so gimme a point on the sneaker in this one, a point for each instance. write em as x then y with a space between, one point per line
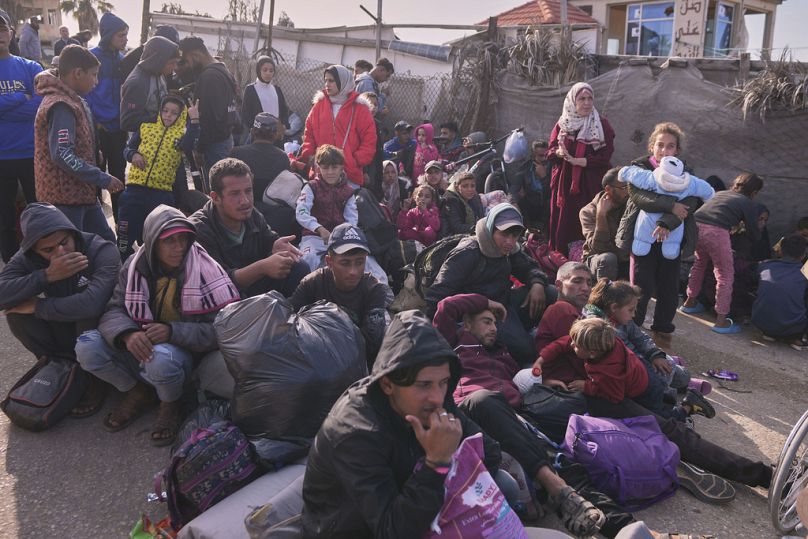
698 404
705 486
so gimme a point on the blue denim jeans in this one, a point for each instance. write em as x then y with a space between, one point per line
89 218
134 204
166 372
216 151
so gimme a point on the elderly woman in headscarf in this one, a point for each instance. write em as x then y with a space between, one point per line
341 118
581 146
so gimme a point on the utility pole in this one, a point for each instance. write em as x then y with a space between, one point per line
378 20
565 22
258 27
269 30
144 21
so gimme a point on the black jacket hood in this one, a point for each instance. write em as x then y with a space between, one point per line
39 220
411 340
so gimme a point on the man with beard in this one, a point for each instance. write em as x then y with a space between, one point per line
574 283
30 45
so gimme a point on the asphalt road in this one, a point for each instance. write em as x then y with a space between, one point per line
77 480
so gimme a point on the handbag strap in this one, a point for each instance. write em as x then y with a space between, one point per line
348 129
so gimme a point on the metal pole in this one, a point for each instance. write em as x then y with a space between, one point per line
258 27
564 17
144 21
379 30
269 32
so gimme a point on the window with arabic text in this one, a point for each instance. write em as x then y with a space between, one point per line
649 28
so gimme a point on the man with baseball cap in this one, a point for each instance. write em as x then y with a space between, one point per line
483 264
344 281
20 103
263 157
401 148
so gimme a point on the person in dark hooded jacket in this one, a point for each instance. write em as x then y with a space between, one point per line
105 99
56 286
359 480
158 323
132 58
146 85
483 264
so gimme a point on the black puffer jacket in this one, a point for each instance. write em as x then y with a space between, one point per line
476 266
359 480
454 218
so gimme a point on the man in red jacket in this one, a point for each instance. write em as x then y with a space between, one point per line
487 395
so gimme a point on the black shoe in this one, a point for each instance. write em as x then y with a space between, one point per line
705 486
698 404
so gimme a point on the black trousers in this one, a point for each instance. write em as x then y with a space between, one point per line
112 146
44 337
495 416
11 172
658 277
692 447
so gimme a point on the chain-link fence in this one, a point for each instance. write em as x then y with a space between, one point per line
415 99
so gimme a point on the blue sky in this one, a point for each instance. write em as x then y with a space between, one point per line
789 26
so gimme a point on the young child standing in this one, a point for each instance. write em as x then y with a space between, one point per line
65 172
325 202
425 149
155 151
715 219
616 302
421 223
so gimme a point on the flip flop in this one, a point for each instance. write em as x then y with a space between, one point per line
731 328
723 375
697 308
702 386
91 401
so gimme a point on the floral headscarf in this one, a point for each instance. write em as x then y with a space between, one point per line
589 128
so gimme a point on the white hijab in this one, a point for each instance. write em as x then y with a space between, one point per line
589 128
345 85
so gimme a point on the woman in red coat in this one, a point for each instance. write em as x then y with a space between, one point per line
340 118
581 146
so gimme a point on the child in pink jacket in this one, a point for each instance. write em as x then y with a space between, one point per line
425 149
421 223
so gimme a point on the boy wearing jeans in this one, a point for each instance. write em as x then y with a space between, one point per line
65 172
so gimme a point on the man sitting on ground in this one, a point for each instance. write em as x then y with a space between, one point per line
401 148
483 264
574 283
237 236
359 479
487 394
344 281
56 287
600 220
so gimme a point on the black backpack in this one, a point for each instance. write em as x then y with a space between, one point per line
428 263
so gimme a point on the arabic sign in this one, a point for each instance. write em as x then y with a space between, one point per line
689 23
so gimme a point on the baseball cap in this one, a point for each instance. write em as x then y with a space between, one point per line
175 230
266 122
433 164
401 125
508 218
345 237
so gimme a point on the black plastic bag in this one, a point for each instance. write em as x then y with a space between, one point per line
289 367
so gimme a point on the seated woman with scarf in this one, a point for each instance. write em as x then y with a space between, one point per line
158 324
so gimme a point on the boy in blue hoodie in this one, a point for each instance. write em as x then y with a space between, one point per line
105 98
18 104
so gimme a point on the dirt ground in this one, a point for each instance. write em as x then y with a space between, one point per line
78 480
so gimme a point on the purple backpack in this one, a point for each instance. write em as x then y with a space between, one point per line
628 459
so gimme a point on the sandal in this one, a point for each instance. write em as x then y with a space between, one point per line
579 516
705 486
136 401
167 424
92 400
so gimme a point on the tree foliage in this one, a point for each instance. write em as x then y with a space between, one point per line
86 12
173 8
242 10
284 20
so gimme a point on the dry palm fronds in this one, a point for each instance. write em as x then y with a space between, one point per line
781 86
547 57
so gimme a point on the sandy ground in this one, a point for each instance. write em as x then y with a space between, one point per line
78 480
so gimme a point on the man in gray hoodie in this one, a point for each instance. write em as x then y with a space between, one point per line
56 286
146 85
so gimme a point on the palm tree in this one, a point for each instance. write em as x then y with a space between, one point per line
84 11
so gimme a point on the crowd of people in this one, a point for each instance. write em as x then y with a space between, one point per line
134 304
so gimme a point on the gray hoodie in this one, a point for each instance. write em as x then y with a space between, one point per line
80 298
193 332
145 86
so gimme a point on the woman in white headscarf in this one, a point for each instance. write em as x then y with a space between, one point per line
341 118
581 146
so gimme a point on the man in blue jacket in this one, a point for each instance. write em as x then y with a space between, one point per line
18 104
105 99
